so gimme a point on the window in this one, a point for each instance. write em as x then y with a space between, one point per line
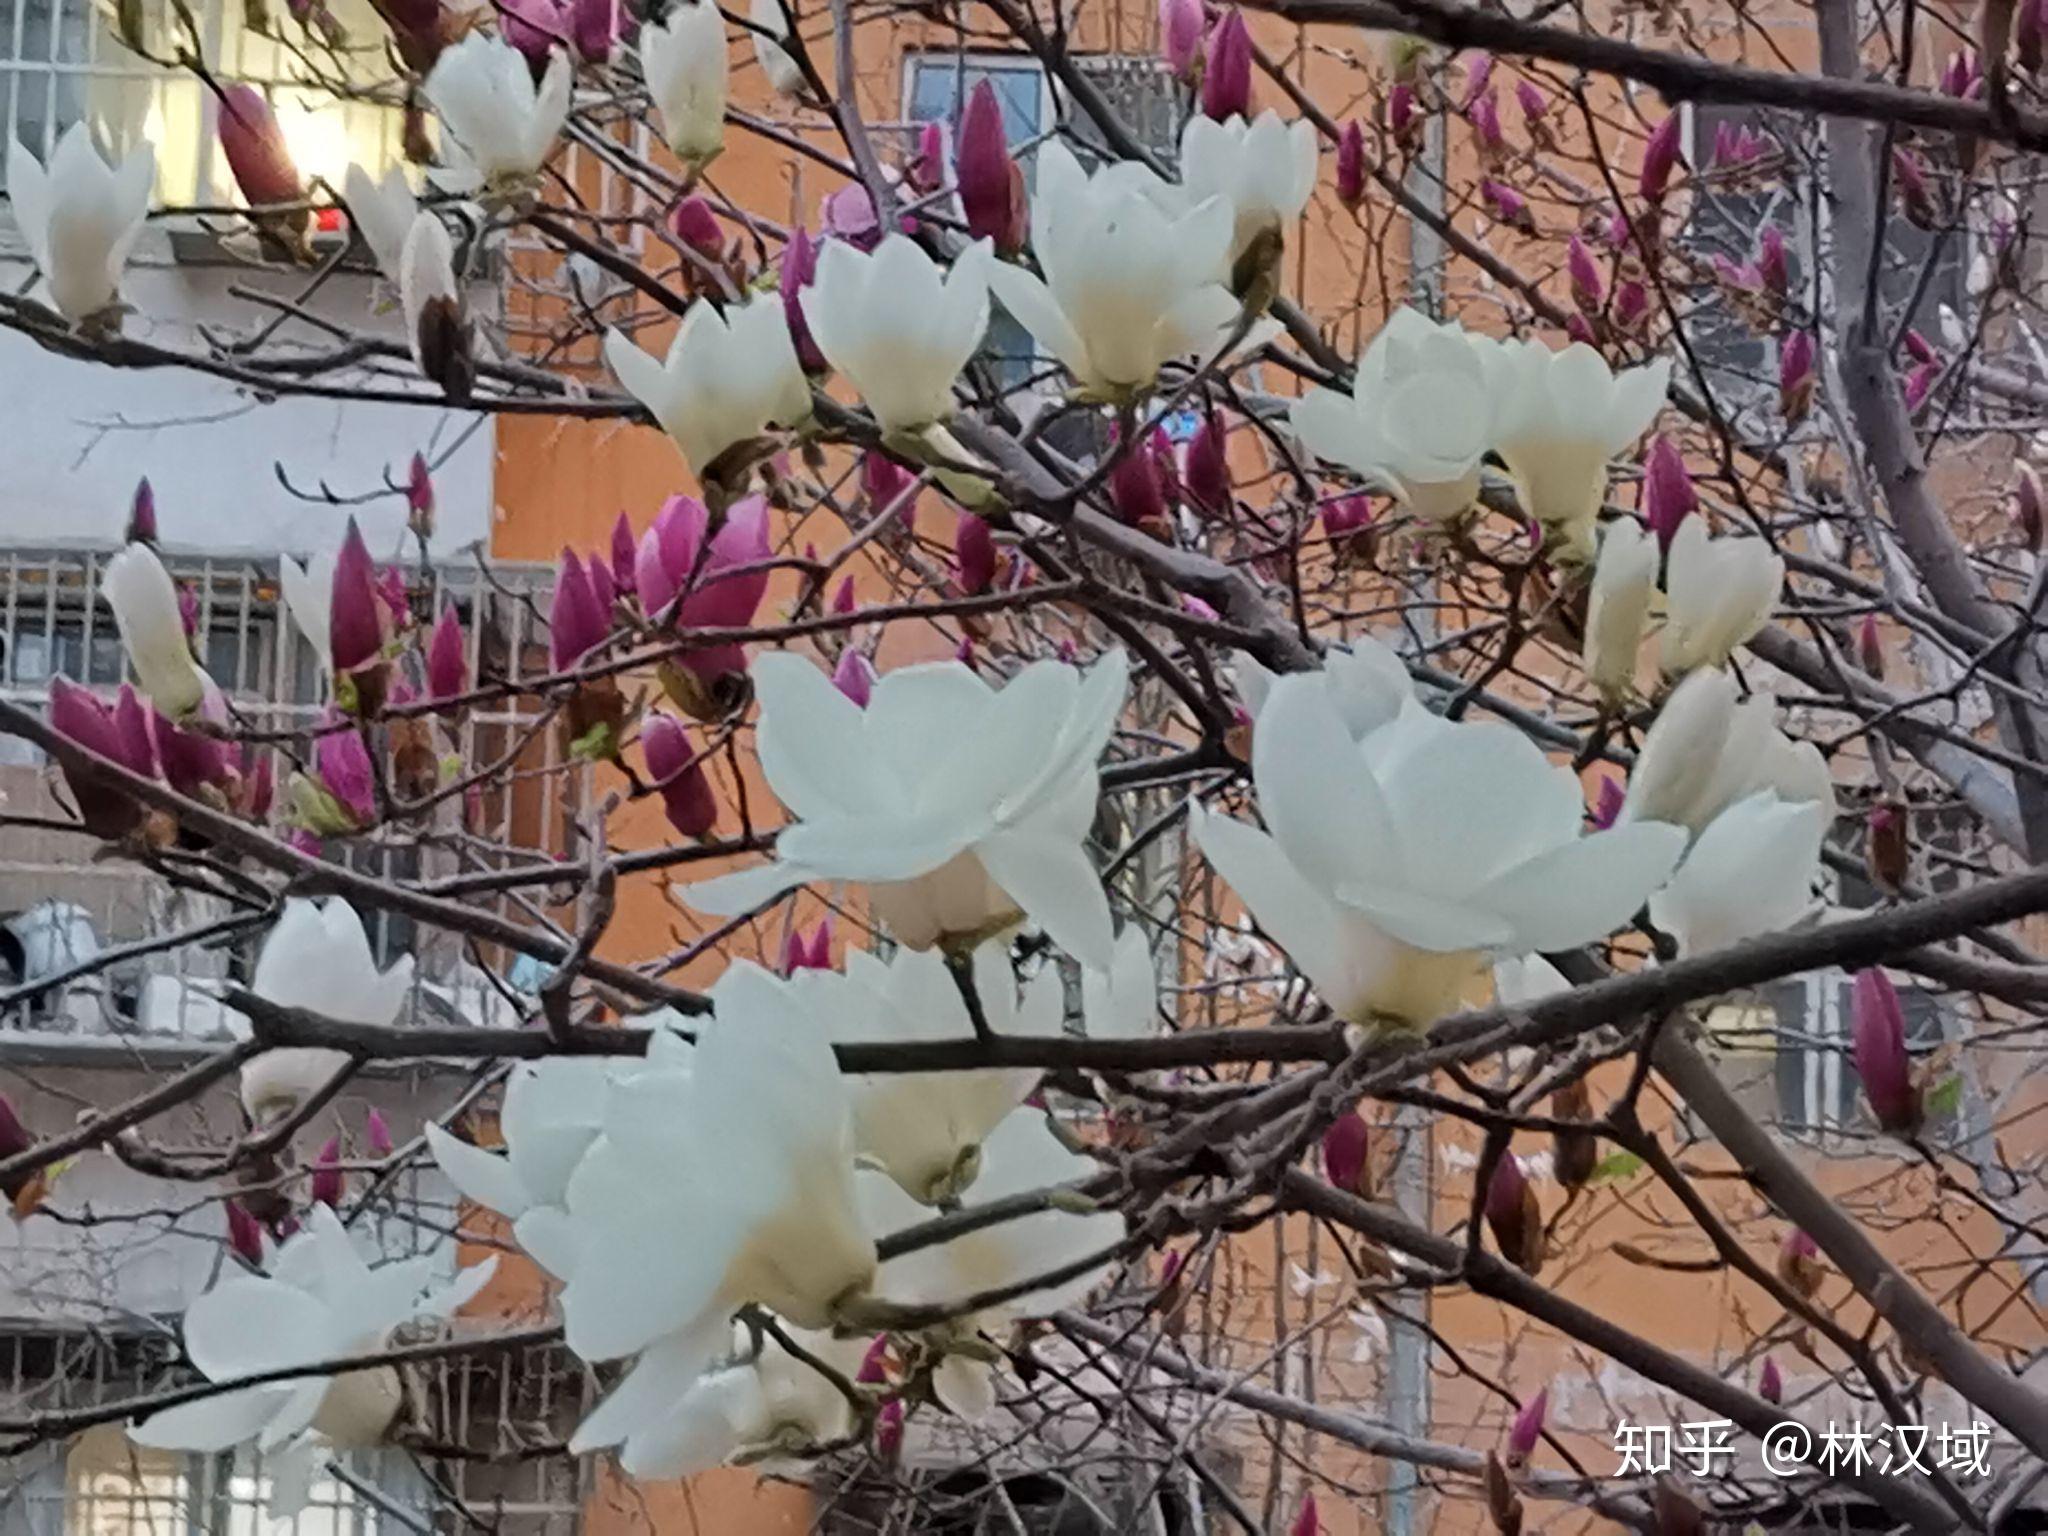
1141 93
936 88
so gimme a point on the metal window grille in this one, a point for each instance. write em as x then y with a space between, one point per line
58 906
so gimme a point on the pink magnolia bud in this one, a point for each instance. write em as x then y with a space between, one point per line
245 1234
327 1182
1770 1385
1921 348
889 1430
694 225
1887 847
675 770
1305 1521
578 621
1588 291
1227 74
1580 329
1344 1149
1484 116
1660 158
798 271
1402 120
187 760
1916 195
1477 77
1878 1037
1530 100
1351 165
1919 385
119 734
1796 375
854 676
807 953
624 555
1181 24
1527 1429
1206 478
1631 303
1135 491
598 25
356 626
1961 75
1607 804
974 556
1198 608
259 786
849 214
1348 525
2028 503
447 664
1771 264
377 1134
926 171
843 599
874 1365
188 610
1514 1216
1508 206
884 482
1668 494
255 149
819 956
342 765
534 27
1870 647
142 514
990 182
964 651
419 498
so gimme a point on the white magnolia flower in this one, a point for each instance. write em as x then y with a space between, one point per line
1368 685
754 1407
898 327
308 592
383 212
145 603
683 57
1750 872
1558 417
960 806
1719 594
1021 1156
777 66
727 376
924 1129
1122 1003
1265 169
1396 863
317 957
502 125
1706 751
78 218
711 1186
1618 606
426 280
320 1302
1130 281
1417 421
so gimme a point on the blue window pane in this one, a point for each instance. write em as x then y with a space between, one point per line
940 86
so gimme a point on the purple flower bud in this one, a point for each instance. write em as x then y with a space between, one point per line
849 214
1771 263
534 27
1961 75
1530 100
1580 329
843 599
1588 291
1527 1429
855 677
377 1134
800 270
1402 121
1660 158
889 1430
1920 384
1770 1385
259 786
1477 78
255 149
625 552
419 498
598 26
1870 647
926 172
1916 195
245 1234
327 1182
1351 165
1607 805
1206 478
2028 503
818 957
577 621
342 765
678 773
1344 1149
990 182
1227 73
1921 348
76 713
188 760
1508 206
874 1365
806 953
142 514
883 481
1305 1522
1196 607
1796 375
1181 24
355 623
1878 1037
1668 494
964 651
1484 115
974 556
693 224
1631 303
447 665
1135 491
